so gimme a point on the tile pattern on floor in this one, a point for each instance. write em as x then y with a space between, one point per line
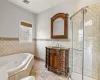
41 73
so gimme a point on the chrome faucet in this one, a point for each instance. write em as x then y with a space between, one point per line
57 44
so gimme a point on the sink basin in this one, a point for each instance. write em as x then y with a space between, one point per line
54 47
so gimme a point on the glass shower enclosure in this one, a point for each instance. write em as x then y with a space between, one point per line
86 44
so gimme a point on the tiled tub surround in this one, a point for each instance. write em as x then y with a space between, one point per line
24 72
9 46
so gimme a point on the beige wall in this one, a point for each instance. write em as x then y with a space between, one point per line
10 15
43 27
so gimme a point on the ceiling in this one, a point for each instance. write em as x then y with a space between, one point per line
37 6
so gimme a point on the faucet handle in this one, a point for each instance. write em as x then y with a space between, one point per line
61 46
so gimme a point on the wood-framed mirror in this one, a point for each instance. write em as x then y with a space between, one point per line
59 26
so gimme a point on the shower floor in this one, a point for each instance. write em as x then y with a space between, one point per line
76 76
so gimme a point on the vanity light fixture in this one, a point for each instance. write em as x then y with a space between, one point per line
26 1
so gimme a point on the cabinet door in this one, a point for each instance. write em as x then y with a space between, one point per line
55 60
52 51
51 60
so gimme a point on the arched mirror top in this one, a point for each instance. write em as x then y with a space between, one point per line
59 26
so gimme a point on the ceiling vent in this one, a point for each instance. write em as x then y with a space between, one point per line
26 1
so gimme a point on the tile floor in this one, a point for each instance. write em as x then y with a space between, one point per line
41 73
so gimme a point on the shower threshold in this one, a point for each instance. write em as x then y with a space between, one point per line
76 76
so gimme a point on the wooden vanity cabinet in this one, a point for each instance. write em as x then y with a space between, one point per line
57 60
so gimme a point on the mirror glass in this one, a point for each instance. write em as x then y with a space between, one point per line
58 27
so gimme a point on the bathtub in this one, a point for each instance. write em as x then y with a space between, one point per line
18 65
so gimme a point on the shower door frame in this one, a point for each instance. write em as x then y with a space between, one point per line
83 21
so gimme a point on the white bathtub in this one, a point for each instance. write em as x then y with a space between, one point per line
16 63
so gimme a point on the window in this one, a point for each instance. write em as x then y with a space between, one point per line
25 32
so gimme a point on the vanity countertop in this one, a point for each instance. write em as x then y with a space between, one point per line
59 48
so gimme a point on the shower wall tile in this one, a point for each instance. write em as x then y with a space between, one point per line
77 61
92 42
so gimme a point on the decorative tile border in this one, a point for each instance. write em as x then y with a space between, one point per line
9 46
5 38
9 39
53 40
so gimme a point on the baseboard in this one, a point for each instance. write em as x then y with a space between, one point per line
38 58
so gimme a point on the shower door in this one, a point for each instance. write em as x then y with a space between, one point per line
92 42
77 46
86 44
